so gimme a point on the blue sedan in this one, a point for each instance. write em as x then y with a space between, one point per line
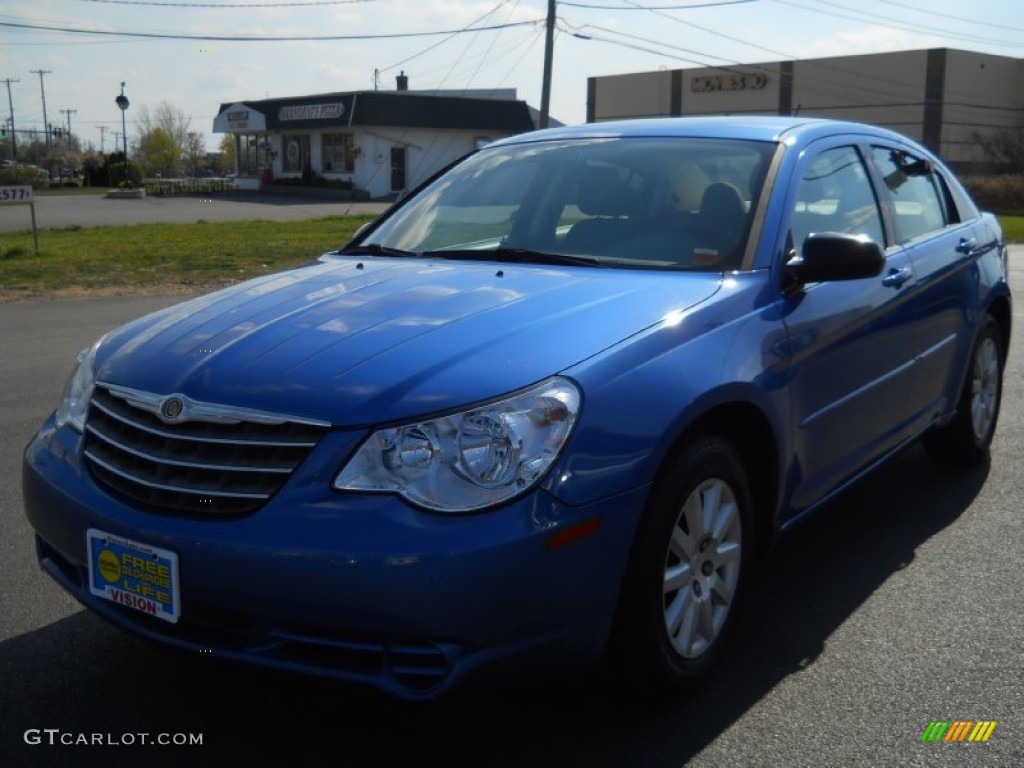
553 405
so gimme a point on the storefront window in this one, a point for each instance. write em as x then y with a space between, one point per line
248 154
296 152
338 152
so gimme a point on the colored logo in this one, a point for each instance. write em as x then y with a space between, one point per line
959 730
109 567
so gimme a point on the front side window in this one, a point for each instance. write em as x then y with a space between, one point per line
835 195
918 207
641 202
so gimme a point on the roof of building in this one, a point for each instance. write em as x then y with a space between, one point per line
402 109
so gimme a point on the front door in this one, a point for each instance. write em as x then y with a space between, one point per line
397 169
852 342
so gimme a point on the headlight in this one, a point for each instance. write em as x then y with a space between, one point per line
469 460
78 391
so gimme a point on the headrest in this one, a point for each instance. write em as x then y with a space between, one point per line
603 193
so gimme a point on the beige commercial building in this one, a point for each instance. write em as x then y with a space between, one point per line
952 101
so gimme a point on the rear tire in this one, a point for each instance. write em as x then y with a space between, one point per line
689 568
967 437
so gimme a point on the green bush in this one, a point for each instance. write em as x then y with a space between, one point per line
25 174
1002 194
116 172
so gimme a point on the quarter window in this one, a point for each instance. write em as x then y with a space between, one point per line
917 200
835 195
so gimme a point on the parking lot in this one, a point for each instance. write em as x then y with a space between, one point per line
898 606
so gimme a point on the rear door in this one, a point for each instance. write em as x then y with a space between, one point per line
943 241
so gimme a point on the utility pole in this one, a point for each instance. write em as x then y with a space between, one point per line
42 90
14 135
103 135
69 113
549 52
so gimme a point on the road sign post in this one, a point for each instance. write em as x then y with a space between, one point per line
21 195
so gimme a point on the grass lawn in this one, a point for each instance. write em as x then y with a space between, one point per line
1013 228
185 257
173 256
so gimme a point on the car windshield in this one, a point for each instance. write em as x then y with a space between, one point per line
657 202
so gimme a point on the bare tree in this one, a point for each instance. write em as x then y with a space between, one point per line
162 136
1004 147
195 152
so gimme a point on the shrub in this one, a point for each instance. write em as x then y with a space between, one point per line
116 173
1001 194
25 174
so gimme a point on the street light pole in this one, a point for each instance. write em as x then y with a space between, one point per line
122 103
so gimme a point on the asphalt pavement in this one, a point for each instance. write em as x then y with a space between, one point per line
899 605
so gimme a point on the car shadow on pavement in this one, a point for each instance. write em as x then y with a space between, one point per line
82 676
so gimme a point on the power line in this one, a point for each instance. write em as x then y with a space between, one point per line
656 42
871 88
228 5
468 28
654 7
896 24
260 38
962 19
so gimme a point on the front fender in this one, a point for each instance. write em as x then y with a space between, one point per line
642 395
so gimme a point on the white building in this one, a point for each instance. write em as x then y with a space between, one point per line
375 142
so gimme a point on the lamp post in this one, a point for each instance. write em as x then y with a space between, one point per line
122 103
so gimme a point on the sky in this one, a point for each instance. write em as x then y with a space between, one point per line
84 70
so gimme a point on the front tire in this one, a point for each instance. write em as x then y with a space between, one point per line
968 436
689 567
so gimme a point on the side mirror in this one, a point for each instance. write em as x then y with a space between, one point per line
830 256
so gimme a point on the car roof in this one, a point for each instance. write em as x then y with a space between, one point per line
798 130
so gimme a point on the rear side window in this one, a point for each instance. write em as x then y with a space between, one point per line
919 198
835 195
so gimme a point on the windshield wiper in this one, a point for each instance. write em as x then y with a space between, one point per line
516 255
375 249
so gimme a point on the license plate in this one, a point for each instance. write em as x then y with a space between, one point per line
135 575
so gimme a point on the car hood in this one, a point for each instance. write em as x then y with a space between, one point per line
362 341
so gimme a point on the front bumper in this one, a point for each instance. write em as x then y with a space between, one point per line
361 588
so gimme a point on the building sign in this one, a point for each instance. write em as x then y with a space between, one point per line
736 82
238 121
239 118
311 112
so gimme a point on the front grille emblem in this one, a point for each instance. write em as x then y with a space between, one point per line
172 408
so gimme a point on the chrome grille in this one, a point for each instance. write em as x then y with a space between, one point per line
210 460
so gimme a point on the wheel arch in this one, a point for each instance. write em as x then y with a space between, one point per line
750 431
1002 313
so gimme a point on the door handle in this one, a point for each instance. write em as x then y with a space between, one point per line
967 245
897 277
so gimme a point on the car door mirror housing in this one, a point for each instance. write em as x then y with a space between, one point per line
828 256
